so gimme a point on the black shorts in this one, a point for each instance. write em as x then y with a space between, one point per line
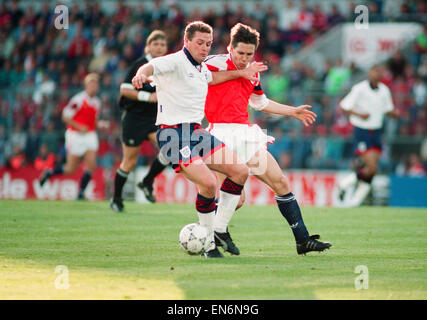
136 127
184 143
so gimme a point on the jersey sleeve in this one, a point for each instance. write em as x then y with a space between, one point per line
164 64
216 63
258 100
389 106
71 108
350 99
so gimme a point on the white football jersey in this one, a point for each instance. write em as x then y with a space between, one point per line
363 99
181 88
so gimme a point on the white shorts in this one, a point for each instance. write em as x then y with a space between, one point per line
244 139
78 143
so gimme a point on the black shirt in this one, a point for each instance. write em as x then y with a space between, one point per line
148 109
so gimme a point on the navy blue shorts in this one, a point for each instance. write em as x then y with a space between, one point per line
184 143
366 140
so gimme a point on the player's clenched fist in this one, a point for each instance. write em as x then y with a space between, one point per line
139 80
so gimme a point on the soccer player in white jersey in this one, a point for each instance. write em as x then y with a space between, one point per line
366 104
182 80
227 113
80 116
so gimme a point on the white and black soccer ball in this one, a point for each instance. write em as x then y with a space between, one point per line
194 239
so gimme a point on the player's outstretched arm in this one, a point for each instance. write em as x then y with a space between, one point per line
248 73
301 113
143 75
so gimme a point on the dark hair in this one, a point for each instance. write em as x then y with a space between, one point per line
195 26
245 34
155 35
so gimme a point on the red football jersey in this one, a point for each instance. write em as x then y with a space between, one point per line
227 102
83 109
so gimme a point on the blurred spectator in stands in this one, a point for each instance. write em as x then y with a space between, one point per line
288 15
17 159
335 17
415 166
274 43
32 144
50 137
419 91
374 14
420 46
337 79
281 148
391 8
320 19
3 145
45 159
397 64
305 17
18 137
45 89
277 83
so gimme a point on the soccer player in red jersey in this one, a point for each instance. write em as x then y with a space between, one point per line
80 116
226 112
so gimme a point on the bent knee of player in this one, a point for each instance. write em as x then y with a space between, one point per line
208 186
239 174
128 163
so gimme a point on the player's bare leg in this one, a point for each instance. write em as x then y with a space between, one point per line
71 165
365 176
288 205
89 159
205 180
146 185
225 162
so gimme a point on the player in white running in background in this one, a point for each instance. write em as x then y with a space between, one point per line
366 104
81 141
182 80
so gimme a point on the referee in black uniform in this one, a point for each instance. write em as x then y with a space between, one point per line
139 112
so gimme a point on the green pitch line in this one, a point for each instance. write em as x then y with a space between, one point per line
135 255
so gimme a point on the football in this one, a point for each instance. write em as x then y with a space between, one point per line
194 239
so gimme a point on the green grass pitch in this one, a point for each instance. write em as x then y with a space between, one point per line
135 255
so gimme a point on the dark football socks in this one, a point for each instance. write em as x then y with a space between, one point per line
290 209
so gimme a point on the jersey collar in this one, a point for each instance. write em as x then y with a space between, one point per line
188 54
148 57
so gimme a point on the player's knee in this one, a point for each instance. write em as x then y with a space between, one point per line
129 163
209 186
241 173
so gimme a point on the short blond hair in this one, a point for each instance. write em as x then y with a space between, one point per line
90 77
